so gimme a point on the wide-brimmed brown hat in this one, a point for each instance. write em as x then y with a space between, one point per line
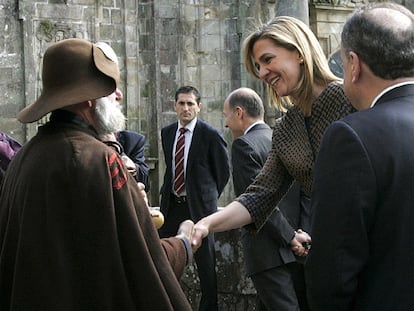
74 71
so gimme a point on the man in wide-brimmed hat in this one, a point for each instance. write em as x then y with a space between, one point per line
75 231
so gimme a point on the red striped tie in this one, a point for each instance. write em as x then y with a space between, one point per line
179 162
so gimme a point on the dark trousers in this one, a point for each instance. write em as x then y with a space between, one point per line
281 288
298 274
205 257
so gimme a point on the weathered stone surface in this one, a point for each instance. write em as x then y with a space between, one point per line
236 292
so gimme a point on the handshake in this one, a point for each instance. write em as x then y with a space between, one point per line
185 231
300 243
193 234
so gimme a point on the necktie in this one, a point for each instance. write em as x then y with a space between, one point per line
179 162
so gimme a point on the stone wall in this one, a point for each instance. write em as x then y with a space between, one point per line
11 69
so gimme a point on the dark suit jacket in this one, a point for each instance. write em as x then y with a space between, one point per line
265 249
207 169
362 255
133 144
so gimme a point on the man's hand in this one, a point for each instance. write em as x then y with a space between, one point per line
143 199
299 242
130 165
186 229
185 233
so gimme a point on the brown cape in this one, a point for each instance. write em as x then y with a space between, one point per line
73 236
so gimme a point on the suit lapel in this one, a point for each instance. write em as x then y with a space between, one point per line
194 144
257 127
170 141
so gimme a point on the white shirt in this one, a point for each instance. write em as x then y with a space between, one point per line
250 127
389 89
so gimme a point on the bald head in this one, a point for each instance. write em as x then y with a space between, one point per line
247 99
382 35
242 108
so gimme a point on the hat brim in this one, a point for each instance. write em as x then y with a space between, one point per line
56 99
97 78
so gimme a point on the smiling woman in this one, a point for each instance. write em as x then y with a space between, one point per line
278 66
285 54
287 35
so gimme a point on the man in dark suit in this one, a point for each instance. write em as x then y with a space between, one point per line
206 172
363 200
269 262
133 145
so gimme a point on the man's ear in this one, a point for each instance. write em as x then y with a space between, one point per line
355 63
200 105
239 112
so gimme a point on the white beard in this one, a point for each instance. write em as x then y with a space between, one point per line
108 117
